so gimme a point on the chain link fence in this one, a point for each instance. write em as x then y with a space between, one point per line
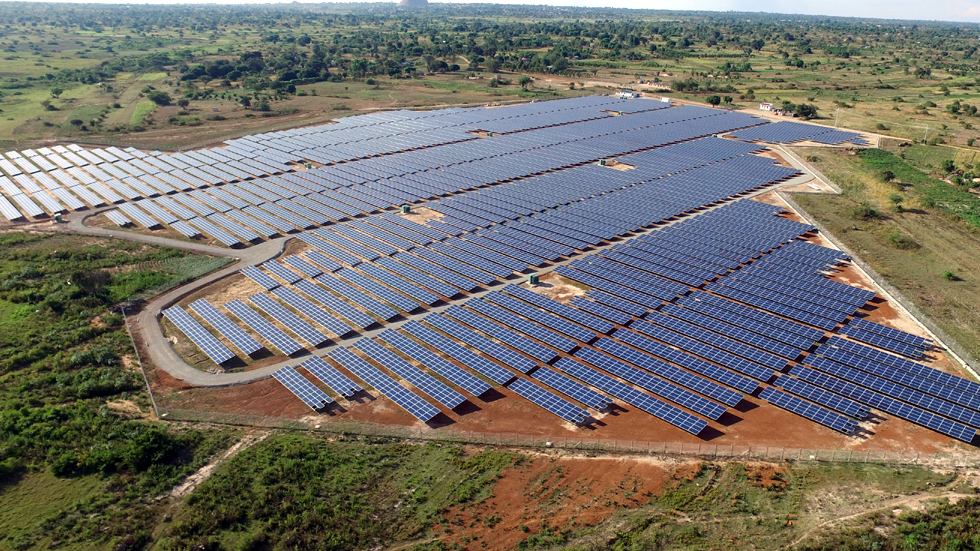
700 450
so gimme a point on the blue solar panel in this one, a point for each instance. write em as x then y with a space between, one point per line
419 277
302 388
578 316
572 388
290 320
895 334
260 277
464 356
334 304
822 397
435 270
396 282
881 341
531 329
688 361
328 374
377 289
418 378
328 263
656 385
435 363
809 411
369 304
492 349
630 395
303 266
885 358
260 325
886 404
502 334
545 318
549 401
242 340
706 351
200 336
283 272
601 310
312 311
410 402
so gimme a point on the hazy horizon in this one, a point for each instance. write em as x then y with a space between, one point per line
963 11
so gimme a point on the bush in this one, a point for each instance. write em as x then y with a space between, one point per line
950 276
901 241
159 97
865 211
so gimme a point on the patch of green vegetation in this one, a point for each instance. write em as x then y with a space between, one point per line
63 356
304 492
152 77
143 109
933 192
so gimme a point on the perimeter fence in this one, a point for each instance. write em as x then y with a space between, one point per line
702 450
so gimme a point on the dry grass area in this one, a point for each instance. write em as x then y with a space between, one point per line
940 244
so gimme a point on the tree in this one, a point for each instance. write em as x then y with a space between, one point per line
948 166
713 100
77 122
524 81
263 106
159 97
183 102
57 91
806 111
887 176
245 101
728 100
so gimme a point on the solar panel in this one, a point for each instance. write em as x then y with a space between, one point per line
895 334
531 329
464 356
886 404
118 218
655 385
435 363
395 282
549 401
330 376
670 373
323 260
200 336
283 342
304 267
283 272
381 291
367 303
302 388
418 378
572 389
578 316
657 408
312 311
544 318
502 334
822 397
334 304
809 411
490 348
410 402
290 320
242 340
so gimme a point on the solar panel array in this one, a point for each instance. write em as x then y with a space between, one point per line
788 132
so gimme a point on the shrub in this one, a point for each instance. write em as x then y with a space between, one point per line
865 211
950 276
159 97
901 241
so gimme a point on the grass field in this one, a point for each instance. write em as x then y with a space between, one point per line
938 241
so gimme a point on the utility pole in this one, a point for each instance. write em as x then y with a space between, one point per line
836 118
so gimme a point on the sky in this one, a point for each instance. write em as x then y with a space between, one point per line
935 10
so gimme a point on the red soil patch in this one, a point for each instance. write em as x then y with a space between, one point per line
560 492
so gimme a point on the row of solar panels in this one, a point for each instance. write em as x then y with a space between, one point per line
788 132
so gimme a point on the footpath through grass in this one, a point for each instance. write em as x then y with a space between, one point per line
920 233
